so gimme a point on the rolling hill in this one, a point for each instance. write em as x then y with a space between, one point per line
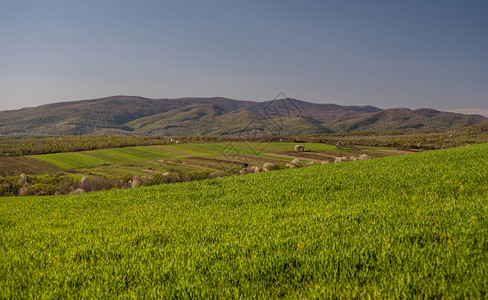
410 226
129 115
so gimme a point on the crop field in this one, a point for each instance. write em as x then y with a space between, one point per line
407 226
126 167
76 160
15 165
147 160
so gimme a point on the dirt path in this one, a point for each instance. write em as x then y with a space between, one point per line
253 159
230 162
394 151
328 156
297 157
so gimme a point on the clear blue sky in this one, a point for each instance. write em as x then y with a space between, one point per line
384 53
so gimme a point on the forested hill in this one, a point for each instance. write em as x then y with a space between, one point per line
129 115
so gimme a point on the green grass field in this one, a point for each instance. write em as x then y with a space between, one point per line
84 159
410 226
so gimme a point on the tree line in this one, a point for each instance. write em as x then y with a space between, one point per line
31 146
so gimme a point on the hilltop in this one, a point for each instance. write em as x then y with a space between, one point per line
130 115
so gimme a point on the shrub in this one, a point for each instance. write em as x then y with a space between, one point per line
195 175
278 166
341 145
27 191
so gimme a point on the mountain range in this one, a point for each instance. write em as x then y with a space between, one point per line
130 115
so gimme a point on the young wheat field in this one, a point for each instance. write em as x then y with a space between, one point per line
409 226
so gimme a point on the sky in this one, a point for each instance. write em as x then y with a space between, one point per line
429 53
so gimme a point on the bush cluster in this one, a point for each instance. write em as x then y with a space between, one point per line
23 185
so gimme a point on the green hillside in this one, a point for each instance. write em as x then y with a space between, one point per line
212 120
129 115
411 226
403 119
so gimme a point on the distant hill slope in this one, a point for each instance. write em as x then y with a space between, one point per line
208 119
405 119
129 115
